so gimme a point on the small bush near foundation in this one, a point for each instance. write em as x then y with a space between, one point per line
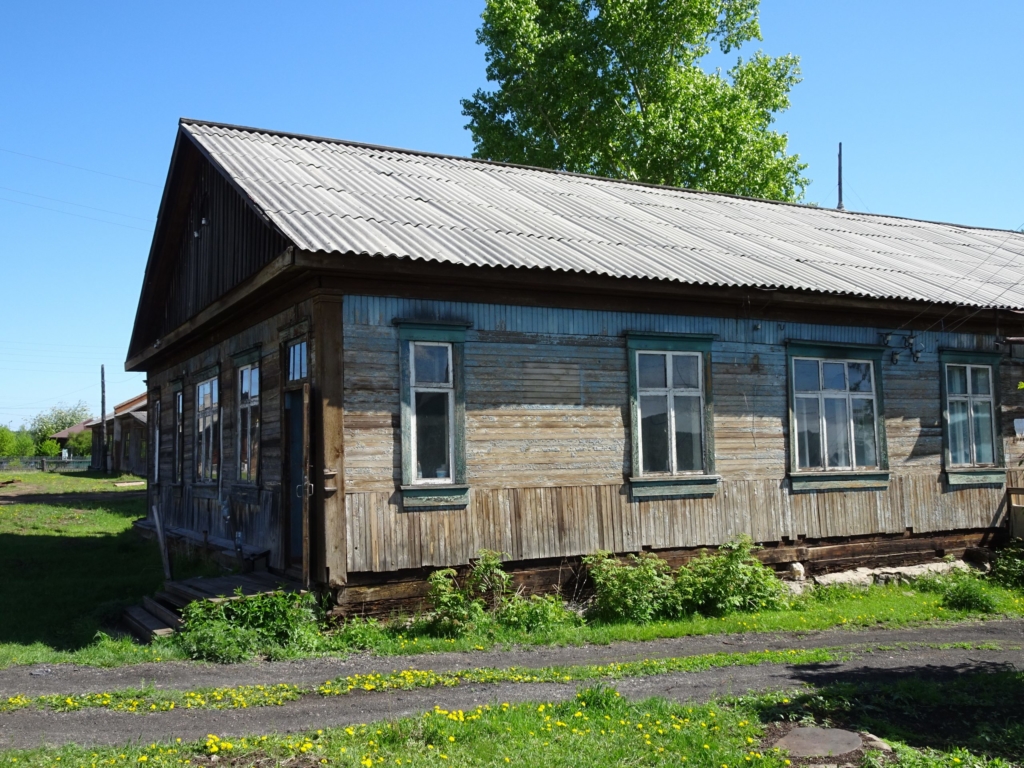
729 581
960 591
456 610
535 613
273 626
1008 569
637 589
832 594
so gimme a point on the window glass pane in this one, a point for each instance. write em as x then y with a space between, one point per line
959 438
254 442
652 371
864 448
834 376
432 435
685 372
805 376
689 456
254 382
243 385
860 377
431 364
837 432
956 379
654 433
983 448
980 381
808 433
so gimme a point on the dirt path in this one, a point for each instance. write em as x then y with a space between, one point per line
31 728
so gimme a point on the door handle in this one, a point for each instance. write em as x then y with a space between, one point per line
298 490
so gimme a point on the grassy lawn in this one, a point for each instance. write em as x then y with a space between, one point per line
68 565
889 606
964 722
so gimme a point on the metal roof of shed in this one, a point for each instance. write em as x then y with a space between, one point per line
344 197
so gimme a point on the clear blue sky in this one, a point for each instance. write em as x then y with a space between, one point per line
927 98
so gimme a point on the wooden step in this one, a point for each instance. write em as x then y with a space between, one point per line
145 625
162 612
176 602
184 591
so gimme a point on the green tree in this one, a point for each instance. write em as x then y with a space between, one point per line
24 445
57 418
6 442
80 443
616 88
48 447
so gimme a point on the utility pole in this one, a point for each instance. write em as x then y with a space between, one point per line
840 206
103 417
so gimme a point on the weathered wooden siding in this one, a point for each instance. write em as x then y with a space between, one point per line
547 479
254 508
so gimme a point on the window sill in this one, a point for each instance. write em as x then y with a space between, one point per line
643 488
434 496
967 476
802 482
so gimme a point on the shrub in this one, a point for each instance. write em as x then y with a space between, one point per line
487 580
48 447
535 613
456 611
272 625
830 594
636 589
1008 569
728 581
963 591
360 634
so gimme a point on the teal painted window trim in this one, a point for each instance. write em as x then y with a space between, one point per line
965 475
685 486
803 480
434 496
455 492
836 480
703 483
968 476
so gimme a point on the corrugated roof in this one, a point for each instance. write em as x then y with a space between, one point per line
343 197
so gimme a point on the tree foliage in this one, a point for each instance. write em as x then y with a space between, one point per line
13 444
80 443
57 418
48 447
616 88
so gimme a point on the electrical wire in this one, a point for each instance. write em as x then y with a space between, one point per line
79 167
76 215
80 205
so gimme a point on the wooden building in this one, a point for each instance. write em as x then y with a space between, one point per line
364 363
127 438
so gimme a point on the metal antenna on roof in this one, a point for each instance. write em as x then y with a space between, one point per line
840 206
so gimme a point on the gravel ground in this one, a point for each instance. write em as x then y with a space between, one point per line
32 728
36 680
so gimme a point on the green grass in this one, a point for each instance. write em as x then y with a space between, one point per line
67 482
600 729
68 567
889 606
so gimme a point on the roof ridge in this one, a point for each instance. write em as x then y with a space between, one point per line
831 212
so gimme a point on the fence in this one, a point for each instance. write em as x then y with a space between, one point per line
43 464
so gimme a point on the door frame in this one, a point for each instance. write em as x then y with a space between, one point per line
287 388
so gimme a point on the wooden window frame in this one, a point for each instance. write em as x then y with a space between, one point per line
450 492
975 474
156 438
252 478
299 341
448 390
178 469
215 412
702 483
837 478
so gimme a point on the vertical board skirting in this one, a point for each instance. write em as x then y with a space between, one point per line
568 521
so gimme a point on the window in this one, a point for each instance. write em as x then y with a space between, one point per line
671 415
835 414
671 401
970 415
207 431
126 448
156 438
179 436
433 414
248 423
433 405
297 361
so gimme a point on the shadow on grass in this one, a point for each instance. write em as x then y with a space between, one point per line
61 590
976 705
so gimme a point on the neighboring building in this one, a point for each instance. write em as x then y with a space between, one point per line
127 438
371 362
64 435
